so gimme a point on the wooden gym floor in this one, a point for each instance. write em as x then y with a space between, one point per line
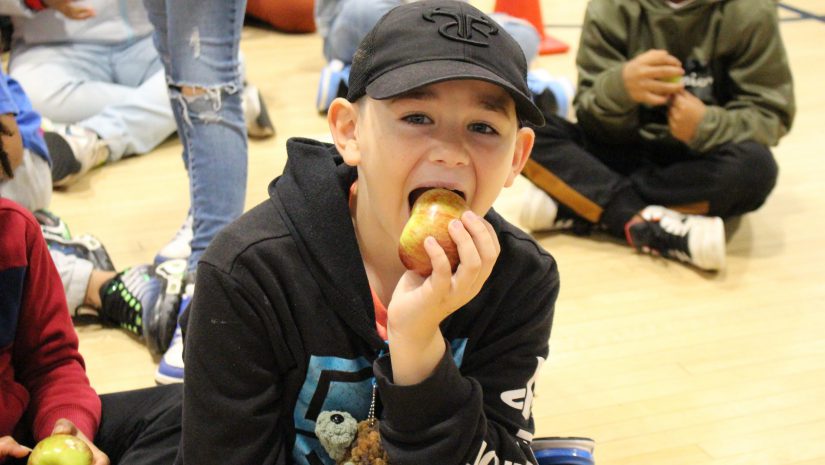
660 363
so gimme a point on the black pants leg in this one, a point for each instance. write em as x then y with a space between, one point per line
609 184
141 427
564 165
730 180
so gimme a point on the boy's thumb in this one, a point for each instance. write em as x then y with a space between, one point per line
64 426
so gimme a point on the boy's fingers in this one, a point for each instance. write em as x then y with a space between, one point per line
485 242
663 88
10 448
659 57
655 99
666 72
463 233
442 271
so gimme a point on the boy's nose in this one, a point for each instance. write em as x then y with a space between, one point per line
450 154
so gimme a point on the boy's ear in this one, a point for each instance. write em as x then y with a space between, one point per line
342 117
524 145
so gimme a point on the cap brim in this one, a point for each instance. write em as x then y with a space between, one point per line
412 76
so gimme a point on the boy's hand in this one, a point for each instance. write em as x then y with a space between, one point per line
70 8
645 77
10 448
419 305
64 426
684 115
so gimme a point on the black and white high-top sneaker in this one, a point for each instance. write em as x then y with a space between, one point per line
694 239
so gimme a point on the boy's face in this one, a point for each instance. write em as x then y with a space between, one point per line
12 144
462 135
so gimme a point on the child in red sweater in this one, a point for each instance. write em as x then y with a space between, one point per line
44 388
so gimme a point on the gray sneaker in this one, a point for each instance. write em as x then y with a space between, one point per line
75 151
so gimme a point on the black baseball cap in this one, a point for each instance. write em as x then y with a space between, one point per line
431 41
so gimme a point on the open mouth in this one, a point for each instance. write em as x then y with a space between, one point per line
416 193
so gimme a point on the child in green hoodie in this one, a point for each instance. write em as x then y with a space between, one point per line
677 104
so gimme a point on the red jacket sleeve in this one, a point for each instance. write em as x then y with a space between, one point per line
46 357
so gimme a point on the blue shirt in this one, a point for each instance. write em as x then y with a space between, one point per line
14 100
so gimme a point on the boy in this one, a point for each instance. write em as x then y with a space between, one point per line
677 104
303 306
45 388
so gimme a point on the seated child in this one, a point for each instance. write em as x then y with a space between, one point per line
677 104
302 305
45 389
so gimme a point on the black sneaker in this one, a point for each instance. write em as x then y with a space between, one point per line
694 239
144 301
86 247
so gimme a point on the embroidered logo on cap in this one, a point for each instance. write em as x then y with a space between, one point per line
463 27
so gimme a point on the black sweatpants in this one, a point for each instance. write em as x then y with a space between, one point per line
139 427
607 185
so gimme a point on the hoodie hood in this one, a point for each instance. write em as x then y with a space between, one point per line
313 192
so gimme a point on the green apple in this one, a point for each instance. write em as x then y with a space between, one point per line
61 449
672 79
430 216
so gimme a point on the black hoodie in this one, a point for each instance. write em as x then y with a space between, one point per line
282 327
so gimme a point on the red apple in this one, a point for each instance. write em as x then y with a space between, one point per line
61 449
431 215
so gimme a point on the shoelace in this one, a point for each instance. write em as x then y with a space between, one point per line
669 237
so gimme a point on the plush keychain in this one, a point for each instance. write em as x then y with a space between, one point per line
350 442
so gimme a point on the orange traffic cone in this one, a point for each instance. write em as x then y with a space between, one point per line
530 10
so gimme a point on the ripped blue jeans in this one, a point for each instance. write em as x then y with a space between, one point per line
198 41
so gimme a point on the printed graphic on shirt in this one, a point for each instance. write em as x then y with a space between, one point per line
334 383
522 398
698 80
489 457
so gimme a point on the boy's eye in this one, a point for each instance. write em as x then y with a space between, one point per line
417 119
482 128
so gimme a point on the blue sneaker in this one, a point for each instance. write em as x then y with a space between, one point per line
144 300
553 95
170 369
563 451
333 83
